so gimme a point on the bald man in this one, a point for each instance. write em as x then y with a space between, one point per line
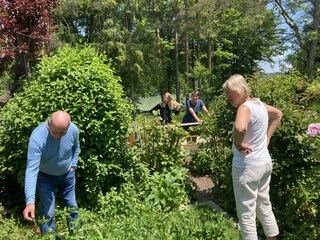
52 159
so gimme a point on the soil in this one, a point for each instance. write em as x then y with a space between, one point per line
203 183
204 186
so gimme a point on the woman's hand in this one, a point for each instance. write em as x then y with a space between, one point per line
243 147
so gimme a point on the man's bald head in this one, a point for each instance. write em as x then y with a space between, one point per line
60 119
59 123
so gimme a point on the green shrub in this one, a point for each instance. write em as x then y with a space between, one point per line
159 146
79 81
11 228
158 157
201 161
217 134
189 224
143 221
313 96
168 190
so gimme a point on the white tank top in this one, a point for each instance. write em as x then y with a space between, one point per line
256 138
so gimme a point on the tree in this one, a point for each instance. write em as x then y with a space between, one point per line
25 32
129 32
234 36
151 42
302 19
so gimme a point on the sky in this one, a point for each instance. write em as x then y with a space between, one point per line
269 67
276 66
279 60
272 67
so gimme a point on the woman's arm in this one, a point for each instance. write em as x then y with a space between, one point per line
205 110
194 115
156 107
275 116
176 109
240 128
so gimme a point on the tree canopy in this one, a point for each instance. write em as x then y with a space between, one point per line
25 32
140 37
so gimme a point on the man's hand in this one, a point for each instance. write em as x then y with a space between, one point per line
28 212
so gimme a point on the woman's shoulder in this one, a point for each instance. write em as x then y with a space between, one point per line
200 101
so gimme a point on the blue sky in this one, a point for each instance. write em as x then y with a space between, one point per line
270 68
276 66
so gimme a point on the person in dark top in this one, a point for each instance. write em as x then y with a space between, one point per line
167 105
193 107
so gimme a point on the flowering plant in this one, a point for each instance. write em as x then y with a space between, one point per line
313 130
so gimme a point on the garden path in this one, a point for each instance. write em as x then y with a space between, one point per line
203 183
204 186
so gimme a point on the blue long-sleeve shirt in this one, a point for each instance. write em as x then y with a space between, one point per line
50 156
187 118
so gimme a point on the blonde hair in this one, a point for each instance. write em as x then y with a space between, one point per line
238 84
171 102
195 93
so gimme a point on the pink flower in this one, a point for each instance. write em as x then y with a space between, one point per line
314 129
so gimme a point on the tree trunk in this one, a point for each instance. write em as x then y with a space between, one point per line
133 99
21 68
209 59
311 55
160 61
176 45
186 42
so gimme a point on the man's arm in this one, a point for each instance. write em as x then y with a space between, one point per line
31 175
75 150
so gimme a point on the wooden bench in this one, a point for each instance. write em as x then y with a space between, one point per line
193 137
192 124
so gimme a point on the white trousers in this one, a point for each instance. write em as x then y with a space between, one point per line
251 191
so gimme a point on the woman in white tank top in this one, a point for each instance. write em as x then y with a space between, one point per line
251 164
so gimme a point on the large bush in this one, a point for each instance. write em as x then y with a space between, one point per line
79 81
